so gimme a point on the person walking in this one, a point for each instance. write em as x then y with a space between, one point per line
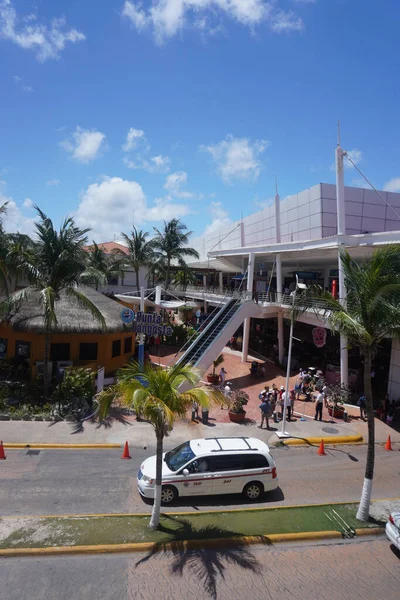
282 399
195 410
318 406
222 377
297 388
265 408
290 408
361 404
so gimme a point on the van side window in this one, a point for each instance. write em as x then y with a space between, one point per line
227 463
255 461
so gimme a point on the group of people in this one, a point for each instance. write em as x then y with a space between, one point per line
275 401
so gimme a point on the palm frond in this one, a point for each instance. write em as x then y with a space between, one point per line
85 302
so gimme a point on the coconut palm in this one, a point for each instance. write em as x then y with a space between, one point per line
100 266
172 242
157 394
370 313
56 265
185 276
141 253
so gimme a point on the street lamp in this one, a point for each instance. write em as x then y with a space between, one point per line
299 286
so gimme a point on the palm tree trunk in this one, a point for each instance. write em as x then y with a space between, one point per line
46 357
363 509
155 515
167 273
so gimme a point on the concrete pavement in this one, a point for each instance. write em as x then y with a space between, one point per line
364 570
89 481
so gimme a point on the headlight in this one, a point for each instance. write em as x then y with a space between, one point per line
147 480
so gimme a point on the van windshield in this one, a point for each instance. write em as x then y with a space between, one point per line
179 456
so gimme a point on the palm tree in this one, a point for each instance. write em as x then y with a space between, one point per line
370 314
14 248
100 266
172 242
141 253
56 266
156 393
185 276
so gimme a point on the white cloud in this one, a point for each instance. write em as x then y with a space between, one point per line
264 203
84 144
393 185
53 182
220 218
14 220
132 139
174 184
136 141
47 41
166 18
28 203
112 205
18 81
355 155
237 158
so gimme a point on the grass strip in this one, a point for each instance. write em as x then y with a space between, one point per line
36 532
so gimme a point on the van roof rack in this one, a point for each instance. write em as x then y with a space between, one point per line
221 449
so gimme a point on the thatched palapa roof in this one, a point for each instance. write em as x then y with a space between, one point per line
72 317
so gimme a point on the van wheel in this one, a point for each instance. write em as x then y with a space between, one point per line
168 494
253 490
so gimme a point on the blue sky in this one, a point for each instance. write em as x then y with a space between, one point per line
121 112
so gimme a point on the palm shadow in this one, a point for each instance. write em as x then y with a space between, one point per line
207 564
115 415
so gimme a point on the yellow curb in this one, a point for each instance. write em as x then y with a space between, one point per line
16 446
340 439
189 513
274 538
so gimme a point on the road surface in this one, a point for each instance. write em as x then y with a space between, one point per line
367 570
98 481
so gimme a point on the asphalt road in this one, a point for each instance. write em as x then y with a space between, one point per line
365 570
98 481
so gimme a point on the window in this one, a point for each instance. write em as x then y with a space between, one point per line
22 349
116 348
179 456
59 352
3 347
255 461
227 463
87 351
127 345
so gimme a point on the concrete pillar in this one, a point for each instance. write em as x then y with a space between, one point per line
277 219
242 235
281 343
246 326
279 283
205 281
326 277
205 307
394 371
158 297
221 281
344 354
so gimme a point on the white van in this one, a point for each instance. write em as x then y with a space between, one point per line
225 465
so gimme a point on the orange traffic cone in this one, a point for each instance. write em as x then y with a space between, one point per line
125 453
388 445
2 453
321 449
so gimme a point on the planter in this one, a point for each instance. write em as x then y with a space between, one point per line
37 418
26 417
214 379
237 417
4 417
337 413
15 417
48 419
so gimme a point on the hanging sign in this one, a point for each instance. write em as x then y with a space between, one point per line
145 323
319 336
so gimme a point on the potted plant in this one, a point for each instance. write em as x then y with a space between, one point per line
236 412
337 395
213 377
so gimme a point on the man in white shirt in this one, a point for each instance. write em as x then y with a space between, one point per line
319 403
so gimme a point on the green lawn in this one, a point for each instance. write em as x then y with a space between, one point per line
77 531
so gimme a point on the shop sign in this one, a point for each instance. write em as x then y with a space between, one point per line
319 336
151 324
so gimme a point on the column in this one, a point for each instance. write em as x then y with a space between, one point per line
221 281
326 277
158 297
279 283
246 326
204 281
281 343
340 207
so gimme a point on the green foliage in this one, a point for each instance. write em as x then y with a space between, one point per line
237 400
140 251
171 243
75 393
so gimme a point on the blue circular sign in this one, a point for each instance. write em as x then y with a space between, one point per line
198 313
127 315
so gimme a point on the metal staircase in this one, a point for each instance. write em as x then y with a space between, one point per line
210 343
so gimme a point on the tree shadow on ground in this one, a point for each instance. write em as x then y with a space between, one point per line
207 564
115 416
